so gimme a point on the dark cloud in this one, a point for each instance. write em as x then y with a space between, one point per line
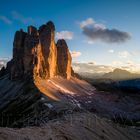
106 35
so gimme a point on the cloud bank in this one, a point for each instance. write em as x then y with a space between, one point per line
94 68
91 67
96 31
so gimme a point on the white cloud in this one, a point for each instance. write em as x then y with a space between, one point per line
111 51
89 21
124 54
90 42
127 65
99 26
76 68
3 62
117 63
19 17
5 19
75 53
92 67
65 35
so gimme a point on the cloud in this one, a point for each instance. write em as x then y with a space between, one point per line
117 63
127 65
65 35
91 67
5 19
98 32
3 62
19 17
87 22
124 54
88 67
99 26
106 35
90 42
111 51
76 68
75 53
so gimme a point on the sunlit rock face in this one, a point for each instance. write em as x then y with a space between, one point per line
36 55
63 59
47 59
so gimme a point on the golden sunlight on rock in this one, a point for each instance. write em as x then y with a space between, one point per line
41 85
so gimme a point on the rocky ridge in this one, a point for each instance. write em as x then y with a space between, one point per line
36 55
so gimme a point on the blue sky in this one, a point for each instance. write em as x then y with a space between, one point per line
68 16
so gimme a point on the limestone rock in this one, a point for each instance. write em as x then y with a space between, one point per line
30 43
32 30
48 49
35 54
64 59
17 69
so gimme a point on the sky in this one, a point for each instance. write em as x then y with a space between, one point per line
98 32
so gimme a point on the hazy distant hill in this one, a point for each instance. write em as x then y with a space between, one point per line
120 74
91 75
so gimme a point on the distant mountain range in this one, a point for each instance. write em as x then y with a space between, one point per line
120 74
117 74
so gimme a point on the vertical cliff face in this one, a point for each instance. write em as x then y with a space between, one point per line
17 69
36 55
63 59
30 43
47 49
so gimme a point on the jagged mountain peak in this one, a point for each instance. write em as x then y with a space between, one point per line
35 54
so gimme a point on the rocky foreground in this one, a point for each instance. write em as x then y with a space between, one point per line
77 126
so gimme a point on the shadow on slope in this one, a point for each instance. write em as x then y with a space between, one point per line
22 104
29 103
